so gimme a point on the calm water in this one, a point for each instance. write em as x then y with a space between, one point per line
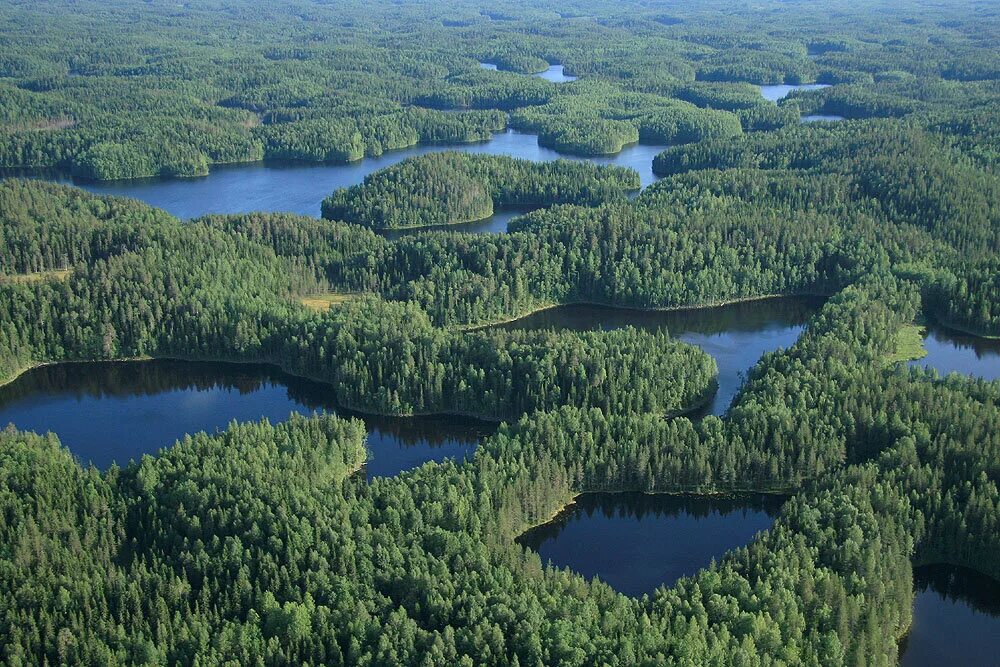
956 619
299 187
780 92
555 74
637 542
735 335
495 224
117 411
950 351
819 118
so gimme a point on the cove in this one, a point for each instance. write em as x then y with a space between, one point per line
735 335
781 91
117 411
951 351
638 542
299 187
956 618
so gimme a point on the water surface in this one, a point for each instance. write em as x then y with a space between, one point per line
495 224
118 411
299 187
735 335
951 351
555 74
956 619
781 91
637 542
820 118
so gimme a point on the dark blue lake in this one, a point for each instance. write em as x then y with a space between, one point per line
118 411
735 335
638 542
956 619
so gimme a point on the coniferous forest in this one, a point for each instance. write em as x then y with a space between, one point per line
262 545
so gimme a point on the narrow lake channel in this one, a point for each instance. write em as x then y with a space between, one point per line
108 412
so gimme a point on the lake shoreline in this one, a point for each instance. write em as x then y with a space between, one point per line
67 172
718 494
344 406
944 324
469 328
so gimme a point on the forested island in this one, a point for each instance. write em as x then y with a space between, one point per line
262 544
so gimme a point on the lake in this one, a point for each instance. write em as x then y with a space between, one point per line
638 542
781 91
956 618
554 73
118 411
952 351
299 187
735 335
495 224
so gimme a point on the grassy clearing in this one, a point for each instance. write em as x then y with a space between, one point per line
28 278
321 302
909 344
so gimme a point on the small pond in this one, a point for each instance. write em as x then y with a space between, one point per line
638 542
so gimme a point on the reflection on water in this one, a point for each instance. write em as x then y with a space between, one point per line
951 351
299 187
637 542
495 224
956 618
117 411
735 335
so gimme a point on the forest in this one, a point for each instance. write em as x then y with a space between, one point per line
451 188
260 545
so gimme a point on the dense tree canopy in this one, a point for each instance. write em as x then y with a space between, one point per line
258 545
167 91
450 188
